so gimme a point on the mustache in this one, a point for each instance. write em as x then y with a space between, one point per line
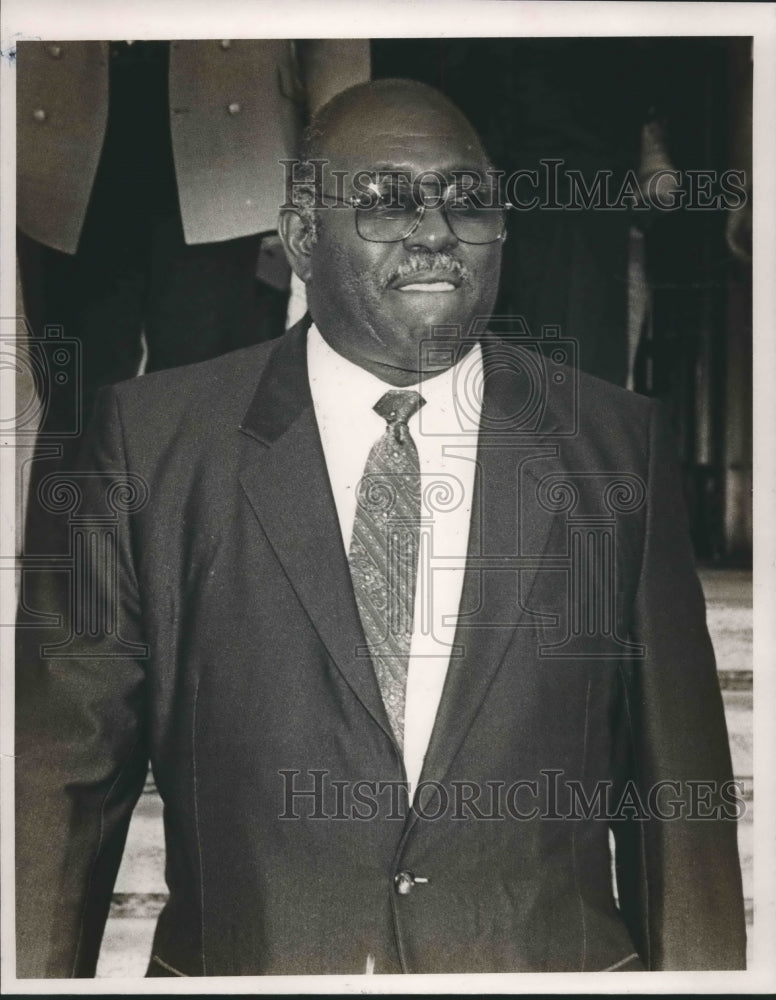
419 263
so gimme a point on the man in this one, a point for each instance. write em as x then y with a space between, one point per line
265 650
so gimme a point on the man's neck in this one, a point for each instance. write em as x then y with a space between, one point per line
403 378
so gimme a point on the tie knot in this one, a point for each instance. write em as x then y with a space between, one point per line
398 406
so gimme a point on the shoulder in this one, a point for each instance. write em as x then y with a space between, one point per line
543 395
208 392
178 415
593 424
597 397
613 424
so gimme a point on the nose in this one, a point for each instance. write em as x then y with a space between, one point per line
432 232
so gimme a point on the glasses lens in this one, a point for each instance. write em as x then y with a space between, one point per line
475 216
390 216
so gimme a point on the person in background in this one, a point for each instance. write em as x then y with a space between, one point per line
149 180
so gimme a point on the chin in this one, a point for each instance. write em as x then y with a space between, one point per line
423 312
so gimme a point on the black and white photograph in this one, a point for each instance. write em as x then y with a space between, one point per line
387 497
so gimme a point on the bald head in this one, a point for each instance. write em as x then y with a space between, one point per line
396 108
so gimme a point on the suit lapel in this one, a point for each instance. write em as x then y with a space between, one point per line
503 524
285 478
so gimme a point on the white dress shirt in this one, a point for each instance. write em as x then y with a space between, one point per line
445 434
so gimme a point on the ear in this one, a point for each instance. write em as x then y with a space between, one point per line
296 242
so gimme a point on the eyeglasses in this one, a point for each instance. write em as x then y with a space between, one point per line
389 214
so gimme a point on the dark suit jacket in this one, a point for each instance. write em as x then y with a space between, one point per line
232 583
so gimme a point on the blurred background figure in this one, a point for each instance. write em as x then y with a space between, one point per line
659 301
148 190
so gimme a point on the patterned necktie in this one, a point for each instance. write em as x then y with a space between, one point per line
384 549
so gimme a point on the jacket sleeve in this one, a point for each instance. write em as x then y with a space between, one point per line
80 736
679 879
329 65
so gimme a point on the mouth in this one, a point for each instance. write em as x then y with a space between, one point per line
427 282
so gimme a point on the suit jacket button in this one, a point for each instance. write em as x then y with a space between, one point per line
225 43
39 115
234 108
55 51
406 881
403 883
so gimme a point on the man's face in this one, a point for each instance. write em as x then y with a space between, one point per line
375 303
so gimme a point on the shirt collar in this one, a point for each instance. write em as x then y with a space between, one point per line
344 383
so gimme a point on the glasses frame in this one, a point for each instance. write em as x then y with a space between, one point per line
356 201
